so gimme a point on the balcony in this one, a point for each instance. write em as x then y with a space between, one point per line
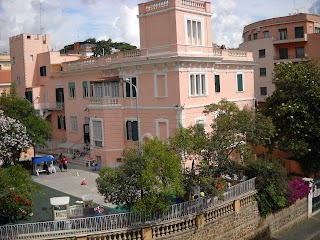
291 59
105 101
49 106
277 40
227 54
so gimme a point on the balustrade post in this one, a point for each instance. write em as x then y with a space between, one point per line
200 221
146 233
236 205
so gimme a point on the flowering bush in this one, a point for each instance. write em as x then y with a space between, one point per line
14 139
298 189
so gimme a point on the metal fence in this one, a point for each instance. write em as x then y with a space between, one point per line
120 221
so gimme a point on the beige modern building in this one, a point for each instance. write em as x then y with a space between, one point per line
291 38
5 73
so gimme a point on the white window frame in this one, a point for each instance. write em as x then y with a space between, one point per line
198 21
198 87
156 92
201 120
243 85
93 136
74 123
131 87
157 122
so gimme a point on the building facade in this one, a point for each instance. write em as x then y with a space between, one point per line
291 38
5 73
114 101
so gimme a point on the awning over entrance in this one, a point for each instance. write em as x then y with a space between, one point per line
114 78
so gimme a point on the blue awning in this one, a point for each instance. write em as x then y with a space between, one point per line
38 160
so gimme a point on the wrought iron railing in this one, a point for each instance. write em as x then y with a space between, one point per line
121 221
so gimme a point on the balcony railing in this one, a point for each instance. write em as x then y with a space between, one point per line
104 101
49 106
110 223
277 40
228 53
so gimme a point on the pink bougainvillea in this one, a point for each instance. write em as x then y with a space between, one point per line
298 189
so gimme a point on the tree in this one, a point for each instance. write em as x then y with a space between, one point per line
233 132
145 182
14 139
271 184
102 48
38 129
295 109
17 192
122 46
91 40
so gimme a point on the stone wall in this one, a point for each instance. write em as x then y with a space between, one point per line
234 220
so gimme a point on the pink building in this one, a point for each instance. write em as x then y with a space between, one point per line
172 77
292 38
5 73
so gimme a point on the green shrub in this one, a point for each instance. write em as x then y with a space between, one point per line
271 184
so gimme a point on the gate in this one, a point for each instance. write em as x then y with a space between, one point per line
316 195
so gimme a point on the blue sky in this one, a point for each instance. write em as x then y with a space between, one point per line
70 21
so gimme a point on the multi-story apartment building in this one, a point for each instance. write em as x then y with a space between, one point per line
5 73
291 38
118 100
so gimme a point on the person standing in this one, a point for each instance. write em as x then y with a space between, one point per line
64 163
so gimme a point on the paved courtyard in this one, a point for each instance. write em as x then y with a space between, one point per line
70 184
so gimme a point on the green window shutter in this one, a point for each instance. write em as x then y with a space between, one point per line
240 82
72 85
85 84
217 83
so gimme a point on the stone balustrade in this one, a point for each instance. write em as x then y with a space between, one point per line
156 4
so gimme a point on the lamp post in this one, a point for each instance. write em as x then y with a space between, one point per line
128 80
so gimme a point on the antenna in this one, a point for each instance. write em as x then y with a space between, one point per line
41 28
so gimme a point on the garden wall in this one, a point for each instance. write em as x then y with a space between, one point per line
234 220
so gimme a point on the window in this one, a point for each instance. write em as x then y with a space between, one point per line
283 34
43 71
299 52
18 80
263 72
200 123
28 37
85 89
255 36
194 32
62 122
249 37
298 32
217 83
97 131
86 120
112 89
262 53
266 34
130 90
198 85
263 91
132 130
28 95
239 82
72 90
98 90
161 86
31 58
74 124
317 30
283 53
